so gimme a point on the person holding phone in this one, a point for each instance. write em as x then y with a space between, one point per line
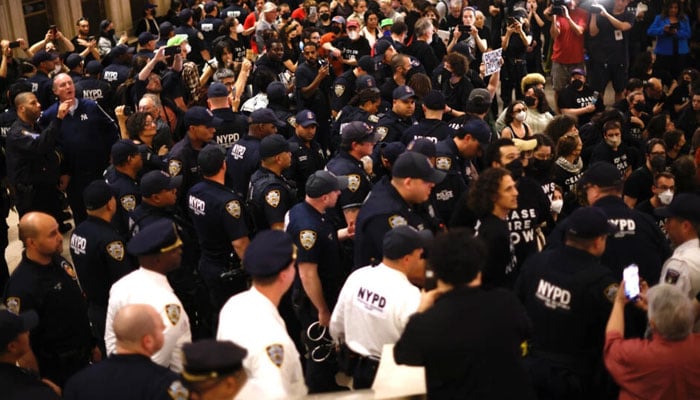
672 31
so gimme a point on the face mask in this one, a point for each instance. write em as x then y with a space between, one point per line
286 15
641 106
529 101
541 166
658 163
239 28
111 32
430 40
577 84
188 48
516 168
556 206
520 116
613 142
666 197
57 69
335 29
353 35
325 17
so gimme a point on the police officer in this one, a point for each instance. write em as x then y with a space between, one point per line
47 283
214 369
432 126
45 63
218 215
93 88
127 162
307 156
119 70
390 205
318 260
158 248
278 102
234 125
271 195
201 125
32 161
344 85
363 107
394 123
138 329
244 157
99 253
209 26
195 38
568 294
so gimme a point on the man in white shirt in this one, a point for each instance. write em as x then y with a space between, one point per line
159 250
376 301
251 320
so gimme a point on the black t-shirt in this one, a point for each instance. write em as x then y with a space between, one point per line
352 50
424 53
610 45
571 98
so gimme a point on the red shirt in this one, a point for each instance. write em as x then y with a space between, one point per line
568 46
655 369
249 23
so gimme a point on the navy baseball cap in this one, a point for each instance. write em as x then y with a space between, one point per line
158 237
210 159
424 146
684 206
120 50
357 131
416 165
43 55
434 100
380 47
477 128
275 144
391 151
588 223
276 91
198 115
149 5
73 60
146 37
306 118
601 173
209 6
165 29
366 82
268 253
11 325
97 194
367 64
265 116
185 15
122 149
403 92
217 89
154 182
322 182
404 240
211 359
93 67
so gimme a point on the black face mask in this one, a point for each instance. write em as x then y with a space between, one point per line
529 101
658 163
540 167
110 33
516 168
577 84
641 106
286 15
325 17
335 29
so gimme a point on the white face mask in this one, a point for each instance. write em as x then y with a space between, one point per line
556 206
666 197
353 34
520 116
239 28
188 48
57 69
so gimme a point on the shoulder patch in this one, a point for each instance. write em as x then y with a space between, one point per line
116 250
354 181
397 220
173 313
382 132
292 121
13 304
174 167
128 202
233 207
443 163
373 119
177 391
200 36
671 276
70 270
273 198
307 238
276 354
338 90
610 291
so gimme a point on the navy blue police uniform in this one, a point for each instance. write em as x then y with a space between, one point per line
391 126
241 162
343 89
126 191
269 198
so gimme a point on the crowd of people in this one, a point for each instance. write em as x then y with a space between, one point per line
265 195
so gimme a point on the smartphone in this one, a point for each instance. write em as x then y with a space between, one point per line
90 38
430 279
14 45
675 26
631 277
172 50
312 10
465 28
512 20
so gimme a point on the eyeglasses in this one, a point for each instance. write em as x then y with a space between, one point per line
658 153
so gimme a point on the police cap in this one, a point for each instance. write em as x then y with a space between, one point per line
366 82
120 49
424 146
93 67
209 6
146 37
684 206
306 118
391 151
184 16
11 325
97 194
158 237
165 29
43 55
403 92
73 60
268 253
217 89
357 131
210 359
416 165
265 116
434 100
199 115
322 182
367 64
154 182
380 47
210 159
403 240
602 174
589 223
276 91
275 144
122 149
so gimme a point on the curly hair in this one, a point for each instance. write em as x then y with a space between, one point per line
458 63
567 144
135 124
558 126
457 256
483 193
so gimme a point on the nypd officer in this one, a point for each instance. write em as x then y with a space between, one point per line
45 282
271 195
127 162
234 125
99 253
218 215
201 125
391 204
432 126
93 88
394 123
159 249
568 294
344 85
214 369
307 156
318 261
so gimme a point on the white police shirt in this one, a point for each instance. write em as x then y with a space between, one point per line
144 286
373 309
682 269
252 321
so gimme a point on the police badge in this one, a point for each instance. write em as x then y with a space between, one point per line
443 163
69 269
353 182
116 250
307 238
397 220
12 304
338 90
174 167
276 354
173 313
177 391
128 202
273 198
292 121
382 132
233 207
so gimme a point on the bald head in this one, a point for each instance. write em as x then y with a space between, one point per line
132 323
24 98
32 224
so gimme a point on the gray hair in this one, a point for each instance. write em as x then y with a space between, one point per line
153 98
671 311
422 26
223 73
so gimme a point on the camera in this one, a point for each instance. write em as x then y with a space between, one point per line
465 28
90 38
172 50
14 45
322 62
53 29
558 6
128 110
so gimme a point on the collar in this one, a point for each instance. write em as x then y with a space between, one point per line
75 106
156 277
688 244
